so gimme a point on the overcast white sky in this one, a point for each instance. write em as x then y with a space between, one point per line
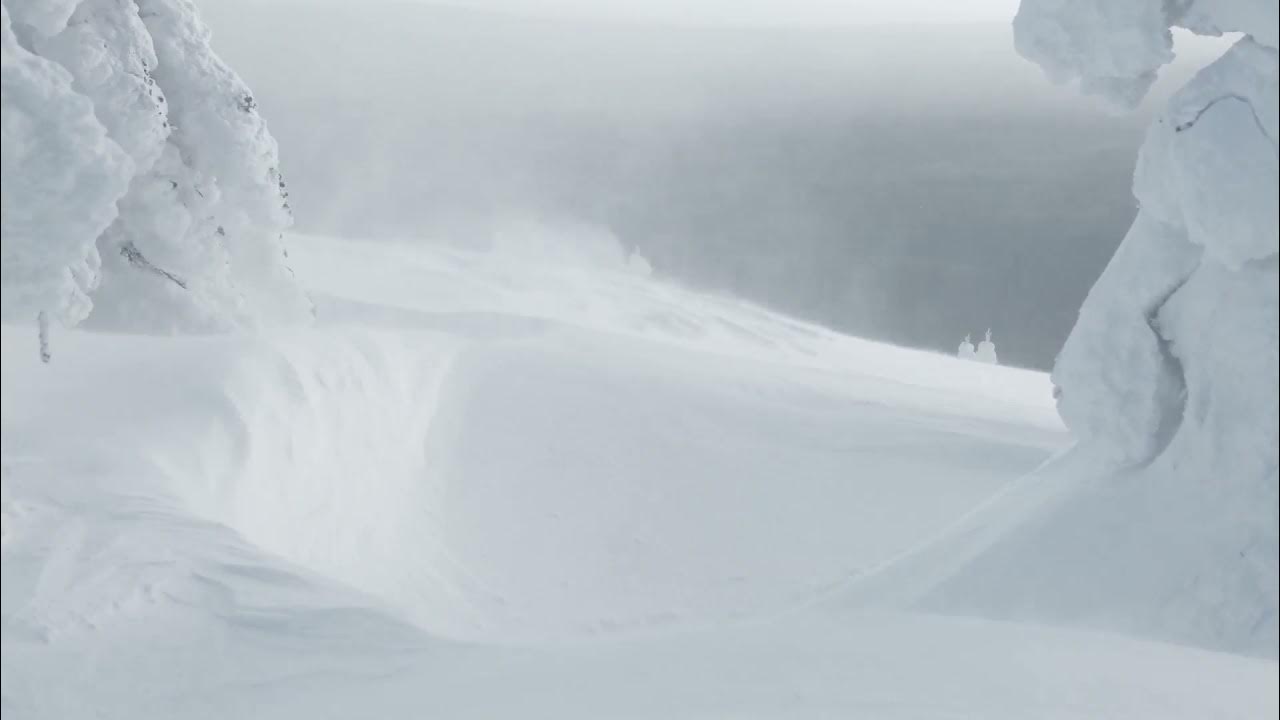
750 12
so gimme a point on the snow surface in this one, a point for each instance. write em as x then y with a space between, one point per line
483 487
540 483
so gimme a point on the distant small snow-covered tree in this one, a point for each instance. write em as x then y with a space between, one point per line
966 351
987 350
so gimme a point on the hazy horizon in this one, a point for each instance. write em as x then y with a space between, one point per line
716 13
907 184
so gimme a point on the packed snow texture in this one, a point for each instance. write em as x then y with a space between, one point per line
487 487
141 186
1170 375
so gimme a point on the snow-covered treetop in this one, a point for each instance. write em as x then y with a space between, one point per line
1115 47
141 187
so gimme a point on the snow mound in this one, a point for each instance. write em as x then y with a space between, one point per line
600 496
532 477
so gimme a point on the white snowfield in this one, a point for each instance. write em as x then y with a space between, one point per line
539 483
481 487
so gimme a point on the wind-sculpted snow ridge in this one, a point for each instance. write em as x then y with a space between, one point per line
1164 521
141 188
483 489
497 463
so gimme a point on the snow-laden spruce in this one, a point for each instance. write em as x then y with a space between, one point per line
61 180
1170 374
986 351
149 198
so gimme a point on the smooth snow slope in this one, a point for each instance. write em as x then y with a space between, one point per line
485 488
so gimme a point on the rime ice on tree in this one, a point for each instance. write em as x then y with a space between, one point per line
987 350
151 197
966 351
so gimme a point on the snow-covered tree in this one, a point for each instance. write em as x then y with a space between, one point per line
966 350
187 237
1206 182
61 179
226 149
987 350
1171 369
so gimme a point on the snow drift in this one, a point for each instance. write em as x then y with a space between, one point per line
494 474
481 488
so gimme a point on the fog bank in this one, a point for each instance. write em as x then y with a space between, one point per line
905 183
